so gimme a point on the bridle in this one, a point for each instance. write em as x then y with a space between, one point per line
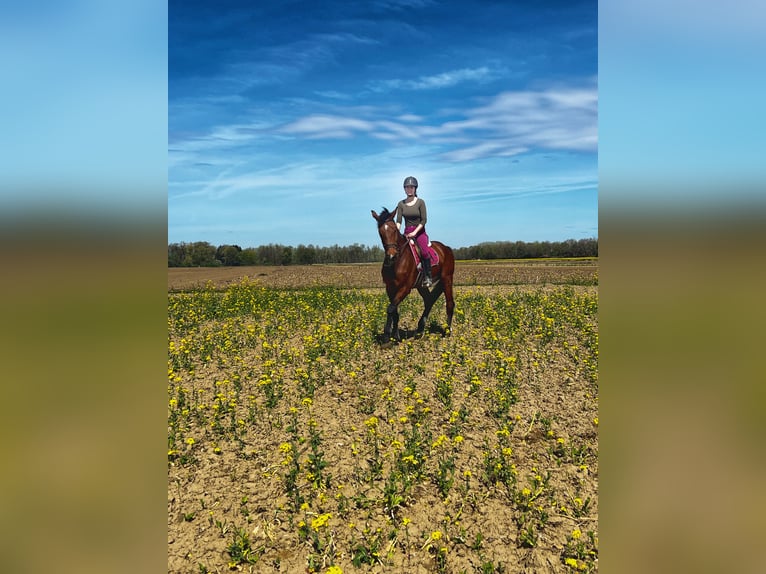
394 246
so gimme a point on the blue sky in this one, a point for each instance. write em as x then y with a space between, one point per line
289 121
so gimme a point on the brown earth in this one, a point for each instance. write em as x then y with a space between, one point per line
251 491
532 272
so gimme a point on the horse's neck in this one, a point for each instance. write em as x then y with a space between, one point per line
405 250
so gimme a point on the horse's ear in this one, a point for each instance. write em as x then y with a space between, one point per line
374 215
391 215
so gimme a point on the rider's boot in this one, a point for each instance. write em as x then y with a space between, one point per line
427 281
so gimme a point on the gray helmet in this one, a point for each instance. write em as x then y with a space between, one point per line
410 181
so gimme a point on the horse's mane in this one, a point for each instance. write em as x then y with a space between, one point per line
385 214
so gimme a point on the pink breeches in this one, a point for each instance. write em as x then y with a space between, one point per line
422 241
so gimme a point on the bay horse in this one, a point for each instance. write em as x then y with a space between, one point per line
400 274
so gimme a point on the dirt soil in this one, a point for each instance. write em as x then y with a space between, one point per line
534 272
225 485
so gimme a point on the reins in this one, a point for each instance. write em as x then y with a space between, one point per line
401 240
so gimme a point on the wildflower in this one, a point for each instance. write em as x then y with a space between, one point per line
439 441
576 534
507 451
458 439
406 521
307 402
190 441
436 535
371 422
285 447
467 474
334 570
571 562
305 506
320 521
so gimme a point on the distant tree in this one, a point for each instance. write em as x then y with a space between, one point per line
305 254
228 255
249 256
201 254
287 255
176 254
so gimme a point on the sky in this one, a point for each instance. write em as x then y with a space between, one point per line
288 122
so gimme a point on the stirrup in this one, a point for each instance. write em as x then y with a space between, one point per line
427 282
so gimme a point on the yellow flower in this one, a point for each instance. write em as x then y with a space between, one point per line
458 439
571 562
406 521
436 535
576 534
371 422
334 570
190 441
320 521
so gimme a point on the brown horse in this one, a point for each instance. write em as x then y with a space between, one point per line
400 274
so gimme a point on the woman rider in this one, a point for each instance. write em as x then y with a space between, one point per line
413 209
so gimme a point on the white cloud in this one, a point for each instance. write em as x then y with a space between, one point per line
437 81
508 124
326 126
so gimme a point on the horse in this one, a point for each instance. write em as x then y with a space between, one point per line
400 274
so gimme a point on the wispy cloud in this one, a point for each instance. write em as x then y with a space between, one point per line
508 124
438 81
326 126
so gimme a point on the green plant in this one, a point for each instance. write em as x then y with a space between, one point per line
240 549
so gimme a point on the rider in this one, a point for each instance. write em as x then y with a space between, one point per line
413 209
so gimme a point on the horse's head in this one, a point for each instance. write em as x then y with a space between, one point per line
389 235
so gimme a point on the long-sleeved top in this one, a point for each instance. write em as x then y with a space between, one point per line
413 214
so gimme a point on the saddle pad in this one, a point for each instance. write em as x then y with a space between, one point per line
434 255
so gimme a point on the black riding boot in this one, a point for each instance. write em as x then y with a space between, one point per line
427 281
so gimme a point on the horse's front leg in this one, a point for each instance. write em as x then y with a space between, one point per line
392 322
395 296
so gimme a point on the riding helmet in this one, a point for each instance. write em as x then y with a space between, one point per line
411 181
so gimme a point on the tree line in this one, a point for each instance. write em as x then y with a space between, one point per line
204 254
